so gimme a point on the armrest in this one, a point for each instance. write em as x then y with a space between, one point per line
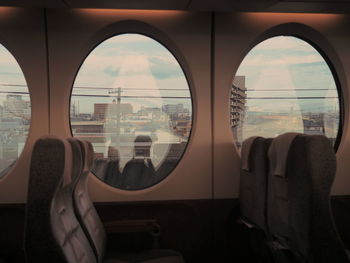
131 226
132 235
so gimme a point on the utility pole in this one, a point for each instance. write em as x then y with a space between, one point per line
118 93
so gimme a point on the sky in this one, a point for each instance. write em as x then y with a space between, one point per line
137 64
287 64
10 74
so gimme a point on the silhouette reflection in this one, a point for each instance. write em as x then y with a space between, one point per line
139 172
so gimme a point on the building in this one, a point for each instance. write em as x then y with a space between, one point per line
16 107
173 108
314 124
102 110
237 106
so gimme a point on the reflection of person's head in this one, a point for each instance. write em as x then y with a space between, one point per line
142 145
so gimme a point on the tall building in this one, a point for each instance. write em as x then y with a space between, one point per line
237 106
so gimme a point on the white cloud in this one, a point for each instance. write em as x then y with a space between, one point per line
260 60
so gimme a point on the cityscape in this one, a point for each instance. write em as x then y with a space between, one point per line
15 114
246 123
113 127
131 100
283 85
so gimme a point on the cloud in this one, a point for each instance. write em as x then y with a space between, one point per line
128 38
283 43
260 60
162 69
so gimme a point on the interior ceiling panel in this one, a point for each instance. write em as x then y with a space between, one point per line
229 5
34 3
303 6
131 4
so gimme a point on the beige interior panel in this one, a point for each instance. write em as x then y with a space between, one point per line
235 35
22 32
74 33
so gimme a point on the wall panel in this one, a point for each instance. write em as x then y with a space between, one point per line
235 35
74 33
22 32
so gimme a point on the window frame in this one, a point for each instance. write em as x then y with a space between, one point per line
186 75
327 60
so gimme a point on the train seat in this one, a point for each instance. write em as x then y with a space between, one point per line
113 174
252 194
52 232
299 218
94 229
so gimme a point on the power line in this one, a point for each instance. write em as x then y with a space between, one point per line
13 85
15 92
104 88
144 97
289 98
288 89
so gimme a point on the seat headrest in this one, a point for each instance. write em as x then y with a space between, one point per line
278 153
44 144
246 149
77 158
68 163
88 153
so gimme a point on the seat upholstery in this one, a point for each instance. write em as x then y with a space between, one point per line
93 227
253 180
52 233
302 170
85 210
138 173
252 198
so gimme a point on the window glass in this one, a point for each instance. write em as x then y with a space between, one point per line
283 85
131 100
15 110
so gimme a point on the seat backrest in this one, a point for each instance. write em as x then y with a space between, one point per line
302 170
52 232
138 173
99 168
253 180
84 208
113 175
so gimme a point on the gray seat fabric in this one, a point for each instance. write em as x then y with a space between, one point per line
252 198
302 170
99 168
113 174
92 225
138 173
52 233
253 180
85 210
147 256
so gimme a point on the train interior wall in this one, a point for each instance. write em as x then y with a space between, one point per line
196 203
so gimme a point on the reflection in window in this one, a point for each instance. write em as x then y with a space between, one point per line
283 85
15 110
131 100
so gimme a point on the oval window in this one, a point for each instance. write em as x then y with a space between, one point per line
131 100
284 85
15 110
